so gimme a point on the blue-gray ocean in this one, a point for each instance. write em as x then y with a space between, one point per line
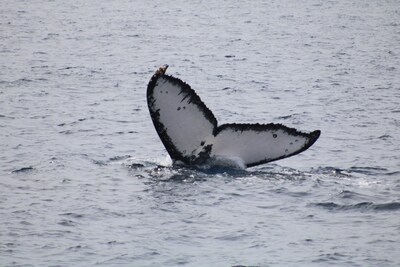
85 180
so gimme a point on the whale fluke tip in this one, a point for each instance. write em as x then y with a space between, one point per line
161 70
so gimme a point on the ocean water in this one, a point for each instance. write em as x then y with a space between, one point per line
85 180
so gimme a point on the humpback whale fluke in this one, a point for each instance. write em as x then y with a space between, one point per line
190 132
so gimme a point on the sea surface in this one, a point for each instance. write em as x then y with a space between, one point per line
85 180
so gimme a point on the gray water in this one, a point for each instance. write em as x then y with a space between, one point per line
85 180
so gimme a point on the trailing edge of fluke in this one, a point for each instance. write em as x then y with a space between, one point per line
190 132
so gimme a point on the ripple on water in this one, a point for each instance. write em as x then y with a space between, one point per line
23 170
362 206
69 194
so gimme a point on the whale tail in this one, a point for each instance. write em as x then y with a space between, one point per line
190 131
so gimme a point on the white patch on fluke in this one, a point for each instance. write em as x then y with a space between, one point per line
190 133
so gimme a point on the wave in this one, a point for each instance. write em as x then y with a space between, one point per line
355 170
23 170
362 206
